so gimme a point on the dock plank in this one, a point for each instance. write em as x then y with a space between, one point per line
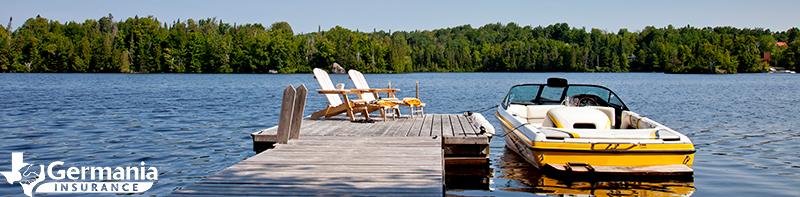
394 129
436 125
458 130
469 130
410 132
387 127
371 129
426 126
346 129
311 127
416 129
402 131
364 129
343 129
379 128
447 126
310 168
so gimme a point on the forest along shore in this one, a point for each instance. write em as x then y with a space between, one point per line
147 45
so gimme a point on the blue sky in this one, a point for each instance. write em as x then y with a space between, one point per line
305 16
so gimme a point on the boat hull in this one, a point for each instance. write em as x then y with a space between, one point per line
595 154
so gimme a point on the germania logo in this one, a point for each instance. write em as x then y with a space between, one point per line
104 179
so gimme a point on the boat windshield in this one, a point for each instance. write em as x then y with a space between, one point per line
540 94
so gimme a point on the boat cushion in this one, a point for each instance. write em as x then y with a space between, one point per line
540 111
536 113
609 111
570 117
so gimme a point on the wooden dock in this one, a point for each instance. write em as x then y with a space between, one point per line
440 125
337 157
461 141
333 166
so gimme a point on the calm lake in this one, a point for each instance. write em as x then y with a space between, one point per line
745 127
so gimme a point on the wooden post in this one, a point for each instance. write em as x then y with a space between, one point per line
297 114
417 89
285 119
417 108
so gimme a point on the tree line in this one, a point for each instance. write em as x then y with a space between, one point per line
146 45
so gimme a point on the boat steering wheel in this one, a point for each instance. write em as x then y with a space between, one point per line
587 101
582 100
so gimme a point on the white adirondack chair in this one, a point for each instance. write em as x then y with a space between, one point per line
372 94
337 106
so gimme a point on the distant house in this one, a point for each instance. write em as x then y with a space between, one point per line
782 44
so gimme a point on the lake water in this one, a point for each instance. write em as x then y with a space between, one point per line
746 127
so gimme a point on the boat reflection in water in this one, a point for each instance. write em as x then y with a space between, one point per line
520 173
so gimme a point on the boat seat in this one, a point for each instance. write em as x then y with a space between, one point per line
537 113
533 114
609 111
571 117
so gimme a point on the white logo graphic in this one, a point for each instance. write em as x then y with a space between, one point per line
14 175
117 175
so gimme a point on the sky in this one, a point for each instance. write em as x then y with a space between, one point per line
409 15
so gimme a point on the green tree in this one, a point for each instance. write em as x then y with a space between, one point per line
324 55
5 57
143 44
282 48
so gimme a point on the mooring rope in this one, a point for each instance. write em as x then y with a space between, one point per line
515 129
482 110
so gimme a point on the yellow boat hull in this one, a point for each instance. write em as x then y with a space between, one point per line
597 154
553 184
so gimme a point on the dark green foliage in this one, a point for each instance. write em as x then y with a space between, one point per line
145 45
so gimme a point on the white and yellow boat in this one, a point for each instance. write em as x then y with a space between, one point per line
587 128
